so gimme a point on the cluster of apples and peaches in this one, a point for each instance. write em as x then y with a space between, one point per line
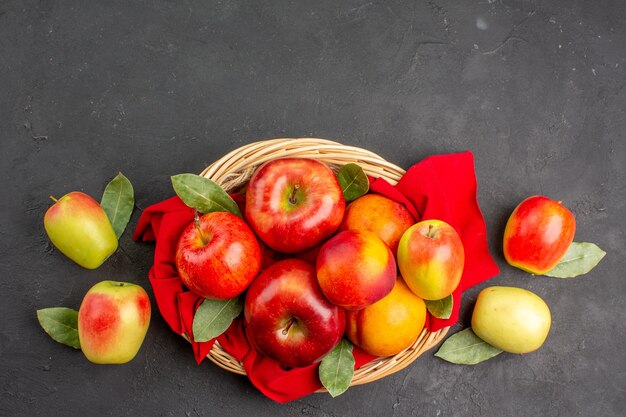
361 267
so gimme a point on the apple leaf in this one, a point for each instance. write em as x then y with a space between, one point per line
353 181
203 194
442 309
118 201
465 348
213 317
579 259
61 324
337 368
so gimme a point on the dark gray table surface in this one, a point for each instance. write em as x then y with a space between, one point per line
154 88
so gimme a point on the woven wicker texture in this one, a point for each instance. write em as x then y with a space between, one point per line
235 168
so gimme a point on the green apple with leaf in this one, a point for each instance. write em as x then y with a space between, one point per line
84 230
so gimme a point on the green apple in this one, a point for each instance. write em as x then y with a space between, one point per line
78 226
512 319
112 322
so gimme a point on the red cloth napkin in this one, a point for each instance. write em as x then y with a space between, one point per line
442 187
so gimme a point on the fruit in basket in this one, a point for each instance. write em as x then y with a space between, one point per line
512 319
355 269
112 322
294 204
375 213
78 226
537 234
218 256
390 325
431 259
288 318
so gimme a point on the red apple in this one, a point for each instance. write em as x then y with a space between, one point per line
375 213
355 269
112 322
288 318
293 204
78 226
218 256
538 234
431 259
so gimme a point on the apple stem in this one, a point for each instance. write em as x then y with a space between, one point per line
289 324
196 222
292 197
54 199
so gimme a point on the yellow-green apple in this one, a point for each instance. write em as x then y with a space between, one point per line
512 319
431 259
390 325
294 204
538 234
218 256
78 226
112 322
355 269
288 318
375 213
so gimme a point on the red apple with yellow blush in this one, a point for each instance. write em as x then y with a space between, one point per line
431 259
355 269
293 204
537 234
112 322
380 215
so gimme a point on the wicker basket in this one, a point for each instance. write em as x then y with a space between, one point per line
234 169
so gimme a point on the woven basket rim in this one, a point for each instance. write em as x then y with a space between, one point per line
234 169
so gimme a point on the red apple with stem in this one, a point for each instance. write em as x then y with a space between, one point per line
218 256
355 269
537 234
288 318
78 226
293 203
112 322
431 259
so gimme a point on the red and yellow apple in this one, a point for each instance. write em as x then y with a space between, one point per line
512 319
293 204
380 215
112 322
355 269
390 325
537 234
218 256
78 227
431 259
288 318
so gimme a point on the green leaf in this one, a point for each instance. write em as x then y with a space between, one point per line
203 194
213 317
337 368
353 181
61 324
465 348
579 259
118 201
442 309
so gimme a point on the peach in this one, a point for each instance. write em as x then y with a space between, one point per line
390 325
355 269
380 215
